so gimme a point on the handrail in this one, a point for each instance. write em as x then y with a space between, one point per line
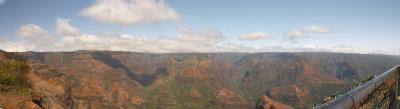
370 94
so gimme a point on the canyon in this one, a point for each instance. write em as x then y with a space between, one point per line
132 80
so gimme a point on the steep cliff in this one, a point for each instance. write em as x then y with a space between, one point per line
25 84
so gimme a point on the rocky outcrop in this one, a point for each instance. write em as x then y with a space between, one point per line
51 89
15 101
37 86
267 103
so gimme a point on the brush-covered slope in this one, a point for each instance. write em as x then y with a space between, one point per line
106 79
28 85
301 79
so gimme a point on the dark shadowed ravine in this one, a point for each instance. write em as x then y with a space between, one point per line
144 80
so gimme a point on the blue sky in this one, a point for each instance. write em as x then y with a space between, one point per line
360 26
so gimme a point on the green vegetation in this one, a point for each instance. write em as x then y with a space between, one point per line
13 75
176 95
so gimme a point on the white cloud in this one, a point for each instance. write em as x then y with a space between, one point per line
2 2
128 12
205 37
31 30
296 34
64 28
315 28
33 37
255 36
304 32
310 45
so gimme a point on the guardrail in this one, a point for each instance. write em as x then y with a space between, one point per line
379 93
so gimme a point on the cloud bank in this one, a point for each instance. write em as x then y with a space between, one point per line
255 36
67 37
129 12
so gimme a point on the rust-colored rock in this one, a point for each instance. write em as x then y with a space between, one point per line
194 93
267 103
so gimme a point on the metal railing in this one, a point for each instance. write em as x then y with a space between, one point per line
379 93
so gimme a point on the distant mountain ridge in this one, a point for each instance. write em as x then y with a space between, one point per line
115 79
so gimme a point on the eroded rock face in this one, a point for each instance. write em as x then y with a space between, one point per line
51 89
38 86
194 93
229 98
13 101
267 103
